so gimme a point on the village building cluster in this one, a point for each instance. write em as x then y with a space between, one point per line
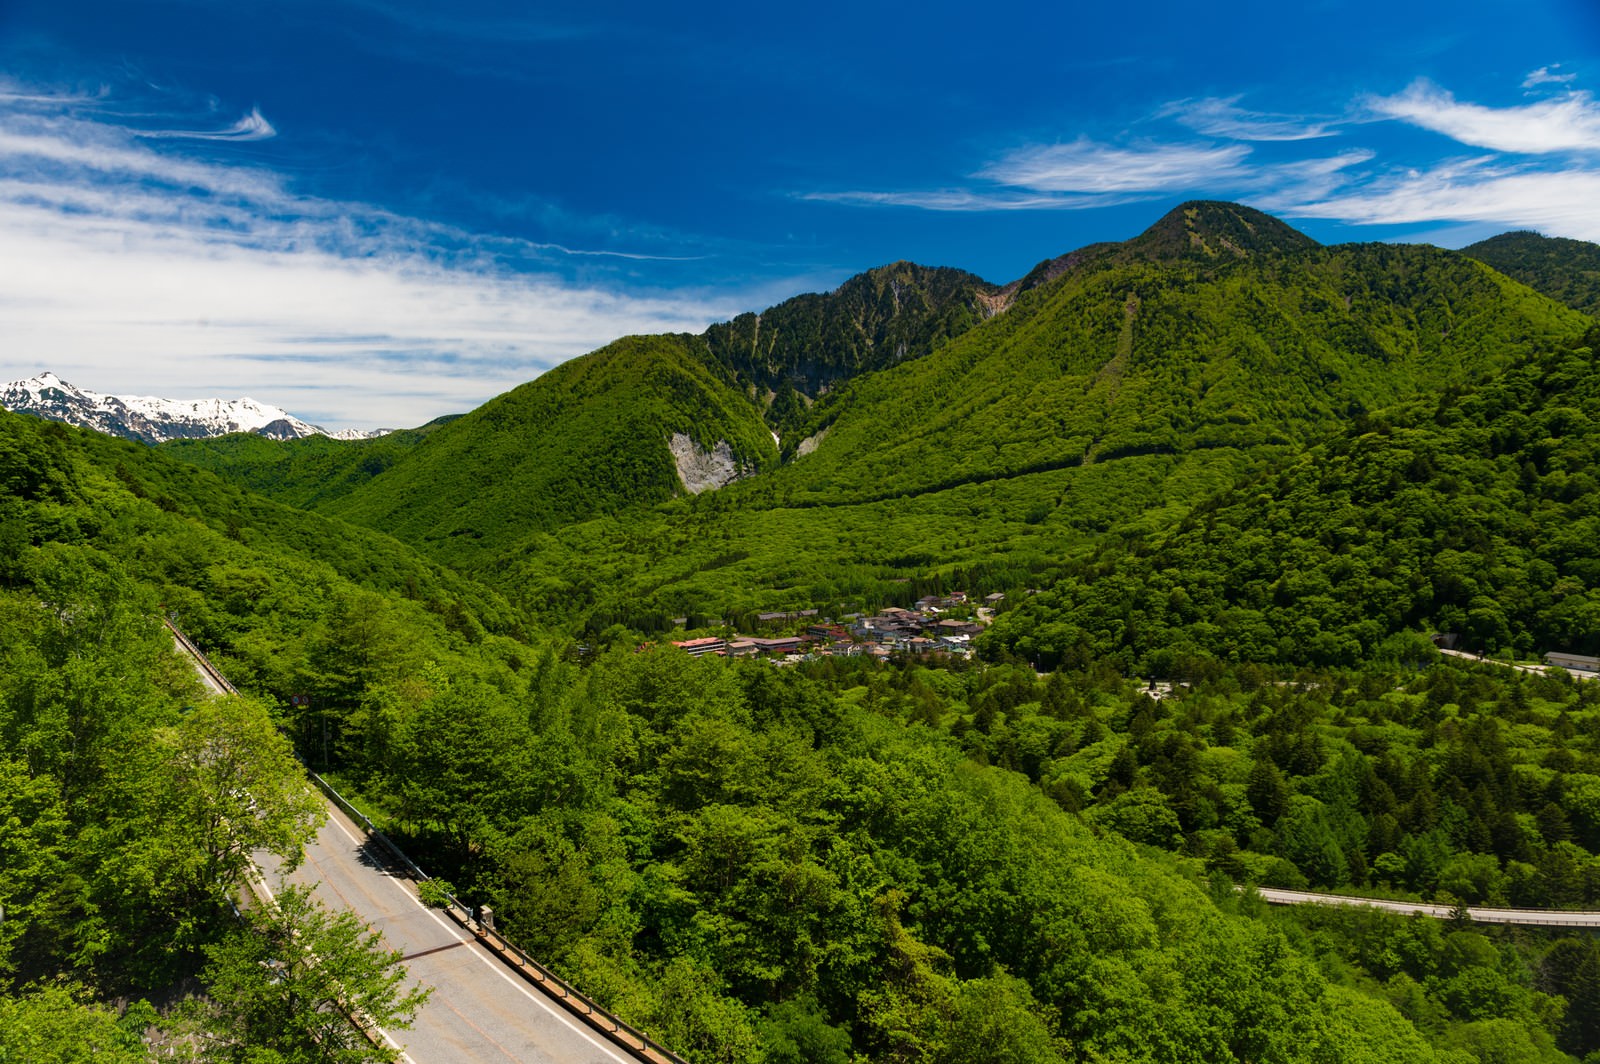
923 630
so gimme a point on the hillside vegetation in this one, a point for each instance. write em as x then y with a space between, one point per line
1565 270
1472 512
588 437
1128 388
950 427
799 349
758 867
302 472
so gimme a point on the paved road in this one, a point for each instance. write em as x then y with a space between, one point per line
480 1011
1538 670
1525 917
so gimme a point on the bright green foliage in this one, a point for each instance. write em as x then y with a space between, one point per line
1124 389
1121 382
284 988
846 861
303 472
747 863
588 437
802 347
52 1025
229 782
1470 513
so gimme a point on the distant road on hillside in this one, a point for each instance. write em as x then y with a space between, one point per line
1538 670
1522 917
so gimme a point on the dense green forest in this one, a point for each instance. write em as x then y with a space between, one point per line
1109 395
1249 476
132 803
799 349
690 822
1472 513
1565 270
302 472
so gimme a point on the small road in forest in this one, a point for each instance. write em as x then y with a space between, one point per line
1537 670
482 1010
1521 917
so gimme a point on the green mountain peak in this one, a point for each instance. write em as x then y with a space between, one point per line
1204 230
1565 270
1212 229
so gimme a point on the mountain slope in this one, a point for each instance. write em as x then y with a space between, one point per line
591 436
1475 511
302 472
1118 392
1565 270
1127 379
1172 356
806 345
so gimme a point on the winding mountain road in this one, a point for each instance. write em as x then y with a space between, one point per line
1522 917
481 1010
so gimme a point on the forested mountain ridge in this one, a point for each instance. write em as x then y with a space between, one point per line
589 437
1127 377
844 861
1472 511
773 364
670 833
1565 270
303 472
1125 390
803 346
1174 357
1199 230
272 589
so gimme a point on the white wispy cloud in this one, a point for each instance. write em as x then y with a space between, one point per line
127 267
251 127
1546 75
1223 117
1085 175
1077 176
1565 202
1305 179
958 199
1571 123
1087 166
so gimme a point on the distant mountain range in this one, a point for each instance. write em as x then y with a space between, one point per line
152 420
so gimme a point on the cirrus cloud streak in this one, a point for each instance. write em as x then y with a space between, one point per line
128 268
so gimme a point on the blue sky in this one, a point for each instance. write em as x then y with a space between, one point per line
372 212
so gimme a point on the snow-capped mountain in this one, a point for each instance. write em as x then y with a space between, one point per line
153 420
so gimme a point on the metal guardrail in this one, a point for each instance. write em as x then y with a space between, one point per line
625 1035
204 662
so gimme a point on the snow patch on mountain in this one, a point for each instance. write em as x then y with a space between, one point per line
154 420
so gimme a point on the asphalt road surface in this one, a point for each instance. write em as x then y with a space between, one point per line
480 1010
1523 917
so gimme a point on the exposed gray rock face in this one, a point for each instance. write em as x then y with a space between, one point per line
703 470
810 443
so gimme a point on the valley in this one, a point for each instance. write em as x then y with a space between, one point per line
1220 456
